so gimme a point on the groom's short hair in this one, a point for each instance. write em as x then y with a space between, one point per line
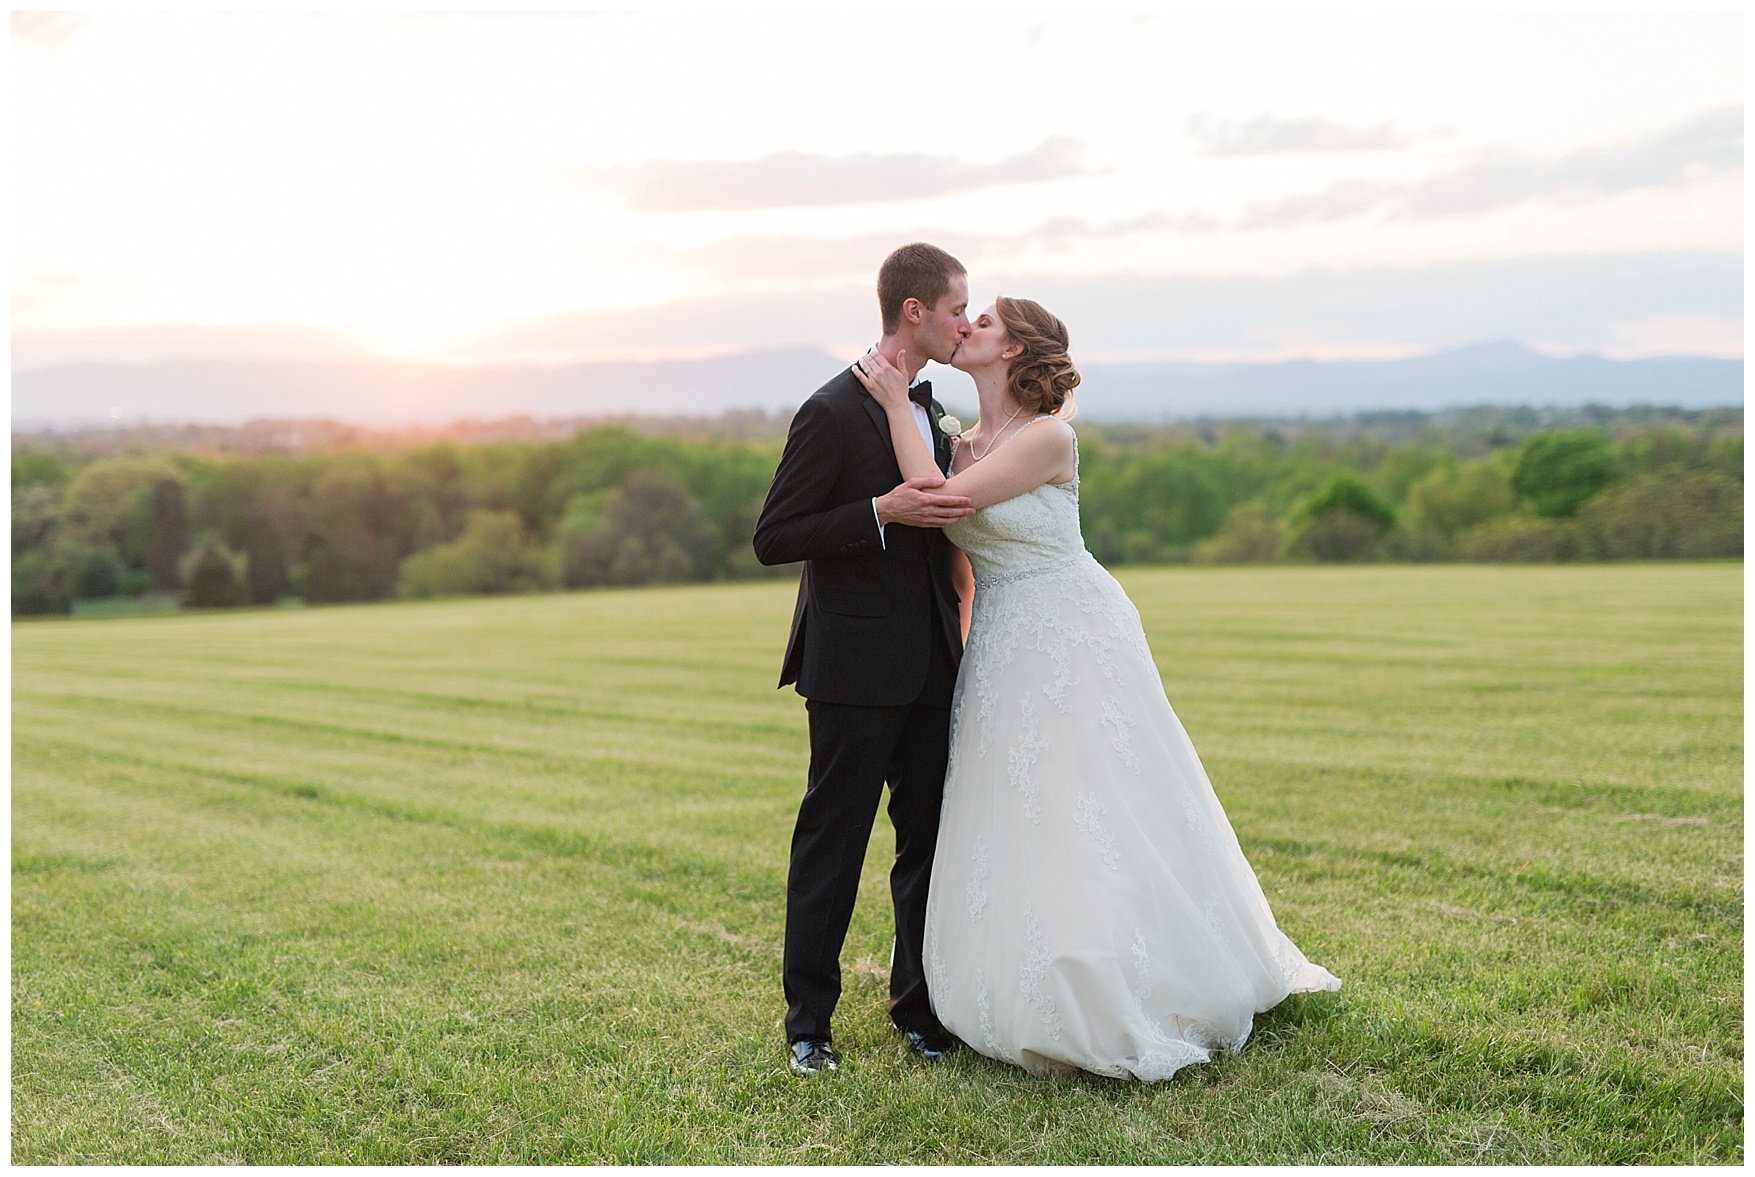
914 271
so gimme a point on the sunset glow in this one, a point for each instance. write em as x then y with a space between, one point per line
547 187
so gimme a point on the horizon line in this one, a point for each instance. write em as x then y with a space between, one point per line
1211 357
29 427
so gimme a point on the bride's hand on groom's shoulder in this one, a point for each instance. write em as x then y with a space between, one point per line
887 383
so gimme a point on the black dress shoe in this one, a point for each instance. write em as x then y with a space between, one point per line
812 1057
930 1045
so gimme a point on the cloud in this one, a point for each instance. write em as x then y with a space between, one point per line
789 178
781 258
1702 147
1064 232
1699 149
785 258
1574 302
1570 302
48 30
1350 198
162 342
1626 304
1267 135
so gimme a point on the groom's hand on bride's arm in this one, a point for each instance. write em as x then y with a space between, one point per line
918 503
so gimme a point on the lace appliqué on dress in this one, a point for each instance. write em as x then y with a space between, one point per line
1196 819
1215 924
1154 1066
1142 966
1142 992
1115 715
984 1019
1033 972
956 722
1090 810
1019 761
934 962
975 892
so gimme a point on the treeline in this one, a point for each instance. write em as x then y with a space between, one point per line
1657 492
610 506
607 506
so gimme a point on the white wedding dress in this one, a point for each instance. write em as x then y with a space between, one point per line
1089 905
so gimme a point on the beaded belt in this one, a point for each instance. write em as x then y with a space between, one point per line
999 578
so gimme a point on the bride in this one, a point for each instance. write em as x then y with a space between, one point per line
1089 907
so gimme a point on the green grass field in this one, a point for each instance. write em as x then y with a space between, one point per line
501 880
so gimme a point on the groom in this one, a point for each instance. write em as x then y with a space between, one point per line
874 650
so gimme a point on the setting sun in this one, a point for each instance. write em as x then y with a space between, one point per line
487 188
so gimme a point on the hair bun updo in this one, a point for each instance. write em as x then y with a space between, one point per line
1042 377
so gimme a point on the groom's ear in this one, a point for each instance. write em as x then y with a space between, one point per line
913 310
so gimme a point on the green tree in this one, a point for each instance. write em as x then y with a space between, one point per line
38 586
34 512
1559 470
1402 468
108 504
265 576
1453 499
1344 520
1250 535
1346 492
651 532
1150 505
351 552
169 533
38 467
94 571
213 582
493 555
1671 514
1519 539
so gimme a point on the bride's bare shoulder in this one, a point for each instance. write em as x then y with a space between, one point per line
1052 435
1047 447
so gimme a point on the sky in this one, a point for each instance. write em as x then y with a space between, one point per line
548 188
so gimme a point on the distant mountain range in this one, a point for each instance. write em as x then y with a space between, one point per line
1488 374
385 394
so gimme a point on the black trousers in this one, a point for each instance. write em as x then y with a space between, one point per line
854 752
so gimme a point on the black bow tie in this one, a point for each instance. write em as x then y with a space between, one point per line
921 394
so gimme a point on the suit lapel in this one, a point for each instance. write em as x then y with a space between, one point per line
881 419
941 450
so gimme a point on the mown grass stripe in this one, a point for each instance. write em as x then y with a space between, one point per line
282 896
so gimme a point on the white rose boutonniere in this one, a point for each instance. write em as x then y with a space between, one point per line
950 426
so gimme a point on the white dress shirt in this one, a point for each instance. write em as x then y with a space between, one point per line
924 423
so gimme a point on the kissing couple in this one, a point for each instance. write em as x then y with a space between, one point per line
1069 894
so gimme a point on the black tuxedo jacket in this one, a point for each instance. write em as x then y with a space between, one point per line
867 608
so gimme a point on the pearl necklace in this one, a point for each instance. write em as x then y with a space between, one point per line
1000 432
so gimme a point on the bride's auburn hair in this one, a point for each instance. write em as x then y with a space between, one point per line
1042 377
